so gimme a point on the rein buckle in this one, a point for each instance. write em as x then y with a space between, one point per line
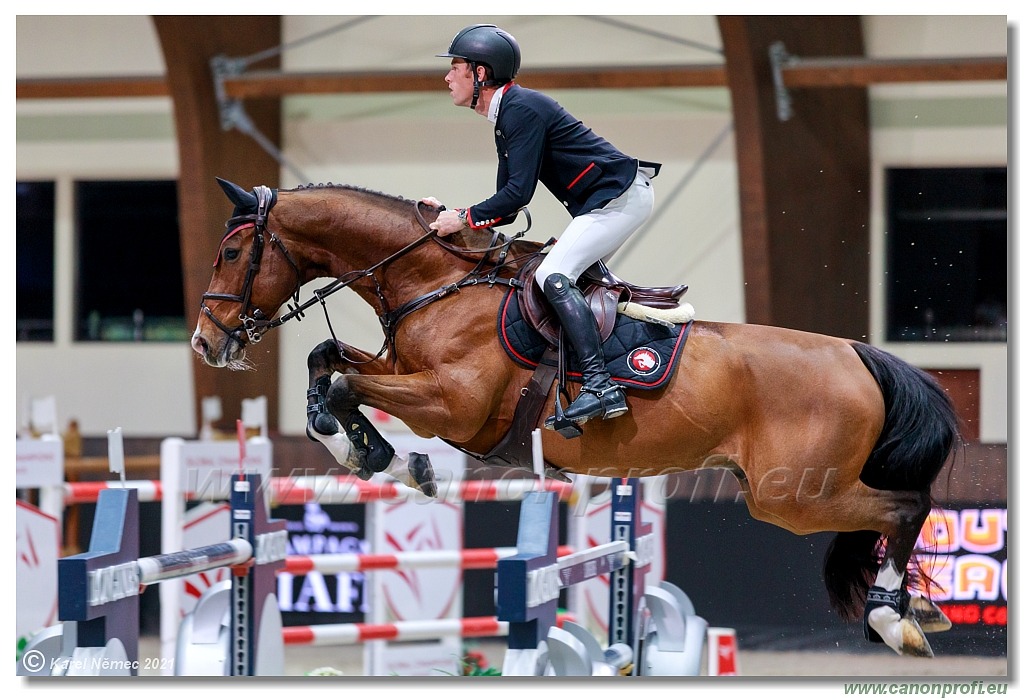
249 324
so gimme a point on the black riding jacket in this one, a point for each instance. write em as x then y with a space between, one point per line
539 141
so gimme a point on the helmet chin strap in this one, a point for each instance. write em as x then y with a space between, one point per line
476 87
477 84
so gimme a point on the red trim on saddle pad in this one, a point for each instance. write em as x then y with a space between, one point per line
639 355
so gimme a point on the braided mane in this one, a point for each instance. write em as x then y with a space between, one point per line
394 199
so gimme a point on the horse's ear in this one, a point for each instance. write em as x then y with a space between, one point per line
239 197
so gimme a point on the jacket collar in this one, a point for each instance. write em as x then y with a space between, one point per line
492 111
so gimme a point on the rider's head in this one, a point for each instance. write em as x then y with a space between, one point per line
488 46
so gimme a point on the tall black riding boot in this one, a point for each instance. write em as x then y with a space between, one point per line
599 397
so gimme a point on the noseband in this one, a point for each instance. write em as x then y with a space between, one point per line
253 321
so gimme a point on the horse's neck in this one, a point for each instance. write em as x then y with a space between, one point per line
338 231
355 232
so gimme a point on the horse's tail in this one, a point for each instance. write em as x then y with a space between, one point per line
918 435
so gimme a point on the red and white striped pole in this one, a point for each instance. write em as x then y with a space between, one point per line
466 559
347 490
403 631
89 491
331 490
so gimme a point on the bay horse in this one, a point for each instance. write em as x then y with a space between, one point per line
823 434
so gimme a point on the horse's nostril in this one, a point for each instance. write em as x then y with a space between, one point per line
199 344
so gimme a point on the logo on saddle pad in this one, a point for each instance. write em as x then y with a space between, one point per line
644 361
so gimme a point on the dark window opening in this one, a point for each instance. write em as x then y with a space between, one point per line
129 262
36 212
947 254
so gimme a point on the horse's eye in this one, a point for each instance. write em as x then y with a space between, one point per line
231 254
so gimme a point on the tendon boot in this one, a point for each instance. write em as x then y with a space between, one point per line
599 397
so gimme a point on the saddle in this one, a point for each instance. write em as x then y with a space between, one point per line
602 290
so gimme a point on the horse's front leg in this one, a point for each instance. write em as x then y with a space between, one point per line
326 359
346 433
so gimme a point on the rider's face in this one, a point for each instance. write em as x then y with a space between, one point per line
460 83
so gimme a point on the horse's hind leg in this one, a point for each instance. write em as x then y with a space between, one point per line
889 614
352 440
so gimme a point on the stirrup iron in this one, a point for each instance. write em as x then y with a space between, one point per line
558 422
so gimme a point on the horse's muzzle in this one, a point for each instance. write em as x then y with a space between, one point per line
230 351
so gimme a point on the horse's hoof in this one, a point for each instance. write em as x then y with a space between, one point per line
914 641
929 616
556 474
901 634
423 474
322 423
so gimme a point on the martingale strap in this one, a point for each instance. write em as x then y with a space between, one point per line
484 272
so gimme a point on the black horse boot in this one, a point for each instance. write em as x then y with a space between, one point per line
599 397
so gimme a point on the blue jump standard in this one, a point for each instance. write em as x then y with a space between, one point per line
527 585
114 543
99 589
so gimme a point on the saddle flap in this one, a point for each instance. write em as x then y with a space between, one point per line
603 302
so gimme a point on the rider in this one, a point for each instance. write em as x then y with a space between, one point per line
608 193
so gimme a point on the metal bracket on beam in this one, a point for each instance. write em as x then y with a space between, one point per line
223 67
232 111
780 59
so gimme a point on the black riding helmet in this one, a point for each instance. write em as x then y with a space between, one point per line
486 44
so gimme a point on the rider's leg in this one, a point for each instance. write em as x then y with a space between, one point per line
599 397
596 235
588 238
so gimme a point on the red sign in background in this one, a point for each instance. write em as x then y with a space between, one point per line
965 560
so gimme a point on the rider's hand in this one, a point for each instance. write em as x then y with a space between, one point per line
447 223
432 202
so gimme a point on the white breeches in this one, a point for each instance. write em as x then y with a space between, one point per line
598 234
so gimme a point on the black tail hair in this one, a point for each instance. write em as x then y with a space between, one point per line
851 565
919 433
920 428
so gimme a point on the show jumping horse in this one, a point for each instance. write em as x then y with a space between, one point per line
823 434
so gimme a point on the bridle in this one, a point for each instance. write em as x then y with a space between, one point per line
255 323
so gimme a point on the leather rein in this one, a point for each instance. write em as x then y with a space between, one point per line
254 322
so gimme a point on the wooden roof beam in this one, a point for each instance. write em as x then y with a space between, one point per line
797 73
268 84
65 88
261 84
860 72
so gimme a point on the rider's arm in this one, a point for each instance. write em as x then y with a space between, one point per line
519 138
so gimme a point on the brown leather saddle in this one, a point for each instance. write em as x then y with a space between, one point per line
602 290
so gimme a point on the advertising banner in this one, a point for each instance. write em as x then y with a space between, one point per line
966 564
